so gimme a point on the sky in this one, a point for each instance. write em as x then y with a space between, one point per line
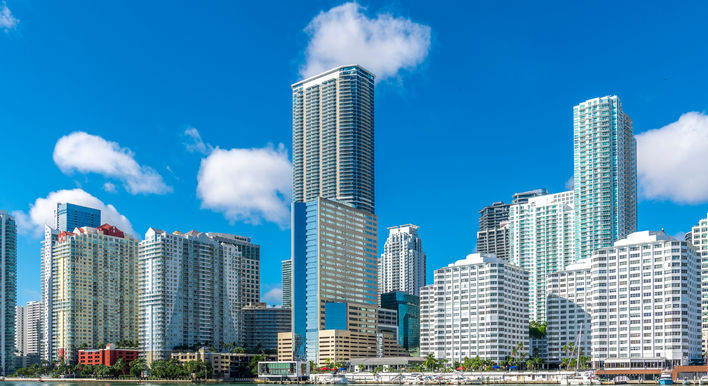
177 115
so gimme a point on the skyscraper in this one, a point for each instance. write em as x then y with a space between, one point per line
8 285
492 215
193 287
605 174
402 265
287 272
333 137
334 228
94 292
541 242
407 308
67 218
70 216
699 239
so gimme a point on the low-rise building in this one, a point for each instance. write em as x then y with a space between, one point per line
108 356
407 308
224 365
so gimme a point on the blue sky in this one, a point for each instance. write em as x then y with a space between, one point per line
474 104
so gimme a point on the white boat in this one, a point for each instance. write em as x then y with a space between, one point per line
666 378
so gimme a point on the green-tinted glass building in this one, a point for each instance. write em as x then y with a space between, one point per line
8 283
408 308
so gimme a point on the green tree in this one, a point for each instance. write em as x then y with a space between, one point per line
118 368
430 363
537 329
137 367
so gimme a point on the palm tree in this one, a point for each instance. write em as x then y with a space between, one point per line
430 363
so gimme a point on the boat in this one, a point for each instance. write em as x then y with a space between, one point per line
666 378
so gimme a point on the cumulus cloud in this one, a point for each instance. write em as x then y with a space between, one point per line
7 21
247 184
194 143
85 153
671 160
41 212
384 44
274 296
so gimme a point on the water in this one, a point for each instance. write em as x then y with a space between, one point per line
157 383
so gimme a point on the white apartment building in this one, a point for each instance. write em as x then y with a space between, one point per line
699 238
28 331
646 300
402 265
569 296
476 306
541 241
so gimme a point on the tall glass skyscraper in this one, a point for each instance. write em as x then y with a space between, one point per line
8 287
70 216
605 174
334 228
333 137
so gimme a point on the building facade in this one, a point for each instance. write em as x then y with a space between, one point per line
492 216
108 356
402 265
95 292
604 174
287 278
262 324
477 306
407 309
67 218
333 137
568 311
542 242
28 332
334 274
495 241
699 239
8 294
646 300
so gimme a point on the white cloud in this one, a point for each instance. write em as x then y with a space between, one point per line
193 142
274 296
671 161
383 44
7 21
109 187
86 153
42 211
570 184
247 184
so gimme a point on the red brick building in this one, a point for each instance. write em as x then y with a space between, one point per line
108 356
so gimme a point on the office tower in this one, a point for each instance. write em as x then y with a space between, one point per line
333 137
402 265
28 330
94 289
8 284
70 216
193 287
407 309
646 301
334 274
523 197
541 242
698 237
569 294
477 306
262 324
67 218
287 272
605 174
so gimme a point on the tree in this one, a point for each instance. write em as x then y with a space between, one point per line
118 368
430 363
137 367
537 330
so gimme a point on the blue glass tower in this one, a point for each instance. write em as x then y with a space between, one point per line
408 308
70 216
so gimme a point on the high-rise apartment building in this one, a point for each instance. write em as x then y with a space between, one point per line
334 274
94 292
569 294
402 265
287 278
477 306
492 216
334 228
605 174
8 291
193 287
646 300
71 216
333 137
494 240
523 197
541 242
67 218
698 237
28 332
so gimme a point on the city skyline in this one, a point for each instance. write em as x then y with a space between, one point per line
191 142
